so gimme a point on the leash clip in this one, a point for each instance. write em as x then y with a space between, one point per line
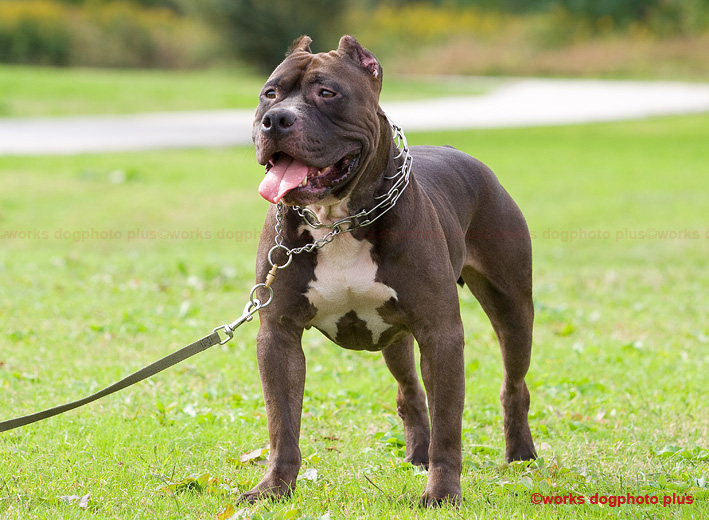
248 315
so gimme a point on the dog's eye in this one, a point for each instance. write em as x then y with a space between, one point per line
270 93
325 93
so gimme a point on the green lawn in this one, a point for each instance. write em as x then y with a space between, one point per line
108 262
42 91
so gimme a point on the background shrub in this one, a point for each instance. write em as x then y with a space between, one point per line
34 32
435 36
259 32
112 34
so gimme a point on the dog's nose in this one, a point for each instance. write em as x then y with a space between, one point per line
278 121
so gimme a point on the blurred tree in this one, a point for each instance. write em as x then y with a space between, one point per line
260 32
680 16
519 6
618 10
174 5
663 16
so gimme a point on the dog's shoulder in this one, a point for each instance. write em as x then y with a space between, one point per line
447 169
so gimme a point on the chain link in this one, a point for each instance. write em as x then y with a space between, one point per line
388 199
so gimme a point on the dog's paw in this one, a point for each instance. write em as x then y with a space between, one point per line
442 487
522 450
265 490
429 500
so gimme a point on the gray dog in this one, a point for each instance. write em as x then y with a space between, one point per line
396 232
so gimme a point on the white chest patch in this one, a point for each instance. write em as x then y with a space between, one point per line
344 283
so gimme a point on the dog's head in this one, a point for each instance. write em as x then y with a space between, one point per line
317 125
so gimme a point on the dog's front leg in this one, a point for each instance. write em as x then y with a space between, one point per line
281 364
443 371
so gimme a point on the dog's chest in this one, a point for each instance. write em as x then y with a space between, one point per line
346 295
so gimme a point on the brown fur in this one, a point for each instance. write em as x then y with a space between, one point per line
454 221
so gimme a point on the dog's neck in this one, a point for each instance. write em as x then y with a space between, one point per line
329 214
376 190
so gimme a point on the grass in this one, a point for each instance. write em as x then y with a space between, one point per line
44 91
119 259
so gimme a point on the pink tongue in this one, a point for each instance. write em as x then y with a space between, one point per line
283 176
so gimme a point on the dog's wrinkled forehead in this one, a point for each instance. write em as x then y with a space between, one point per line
350 62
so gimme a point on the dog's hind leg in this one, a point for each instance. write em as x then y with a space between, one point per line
410 400
498 270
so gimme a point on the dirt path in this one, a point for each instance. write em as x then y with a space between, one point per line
514 103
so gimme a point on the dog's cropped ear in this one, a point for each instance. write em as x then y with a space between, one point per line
301 43
351 47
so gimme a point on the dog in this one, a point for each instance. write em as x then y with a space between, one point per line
404 227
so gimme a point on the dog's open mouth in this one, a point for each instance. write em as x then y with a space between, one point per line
287 175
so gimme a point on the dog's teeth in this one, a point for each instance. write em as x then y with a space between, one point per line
305 181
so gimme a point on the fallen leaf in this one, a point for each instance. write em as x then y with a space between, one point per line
203 483
227 513
259 456
309 474
82 501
